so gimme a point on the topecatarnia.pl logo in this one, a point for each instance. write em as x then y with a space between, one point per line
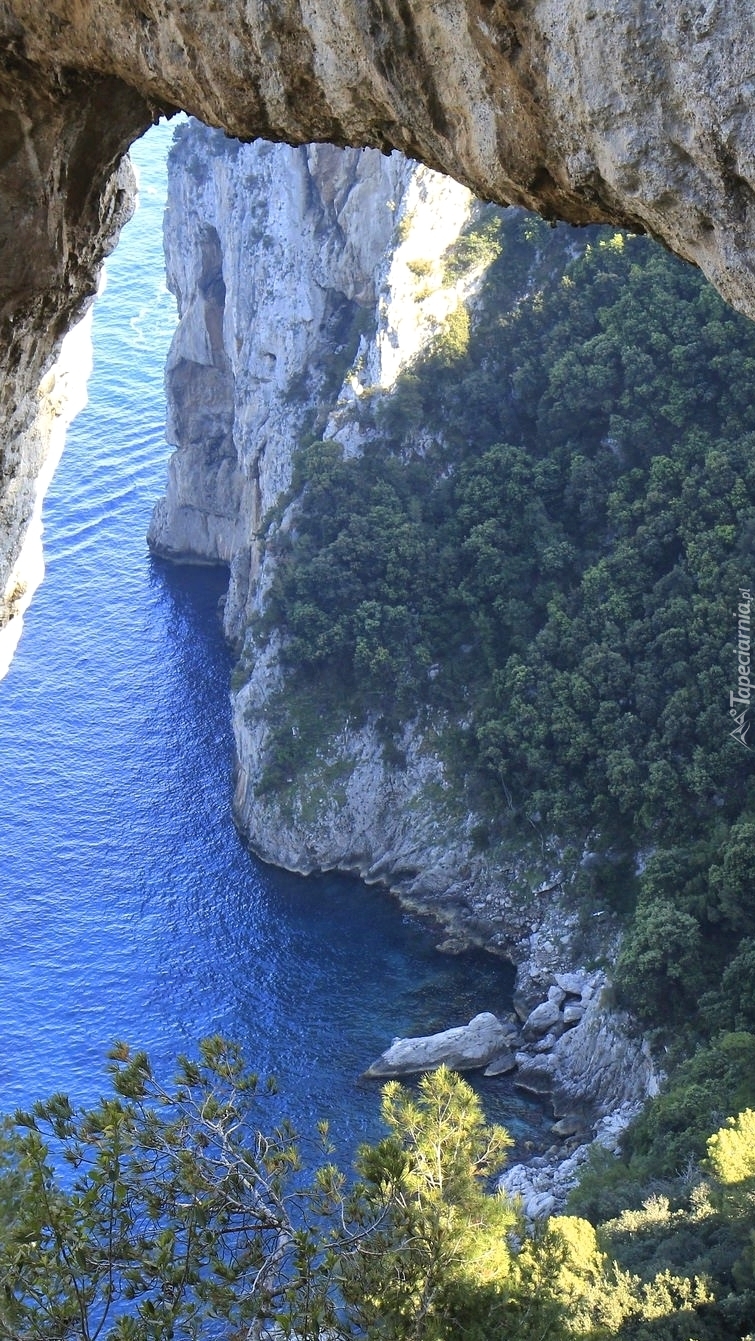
739 700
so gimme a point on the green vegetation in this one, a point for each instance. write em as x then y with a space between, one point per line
168 1212
550 585
567 558
478 245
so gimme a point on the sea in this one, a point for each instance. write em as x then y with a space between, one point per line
131 909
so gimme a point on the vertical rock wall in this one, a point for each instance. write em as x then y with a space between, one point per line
62 206
306 280
60 396
304 283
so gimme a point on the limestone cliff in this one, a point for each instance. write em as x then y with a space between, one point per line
45 379
60 396
302 282
306 280
633 112
292 270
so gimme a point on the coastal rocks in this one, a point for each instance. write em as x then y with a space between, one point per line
542 1185
596 1074
567 1126
482 1042
542 1020
595 1066
597 1083
502 1064
565 1006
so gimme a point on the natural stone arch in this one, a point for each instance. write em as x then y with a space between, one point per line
629 111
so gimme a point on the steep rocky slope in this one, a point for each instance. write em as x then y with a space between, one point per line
32 328
306 281
635 113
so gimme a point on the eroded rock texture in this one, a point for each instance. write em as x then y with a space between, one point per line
65 191
637 111
306 279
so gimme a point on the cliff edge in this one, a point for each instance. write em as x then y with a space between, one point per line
308 281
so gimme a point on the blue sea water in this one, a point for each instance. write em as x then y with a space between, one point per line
130 908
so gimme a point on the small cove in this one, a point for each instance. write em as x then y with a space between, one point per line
131 909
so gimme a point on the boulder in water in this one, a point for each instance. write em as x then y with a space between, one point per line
467 1048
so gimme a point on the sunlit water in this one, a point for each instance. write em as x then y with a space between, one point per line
131 910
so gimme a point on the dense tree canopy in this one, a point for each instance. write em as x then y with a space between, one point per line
549 572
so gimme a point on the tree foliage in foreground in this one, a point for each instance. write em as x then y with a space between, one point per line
167 1212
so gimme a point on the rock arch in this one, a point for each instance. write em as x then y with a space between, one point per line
632 111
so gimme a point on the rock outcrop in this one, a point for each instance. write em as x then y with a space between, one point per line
636 113
292 273
52 247
595 1072
61 394
468 1047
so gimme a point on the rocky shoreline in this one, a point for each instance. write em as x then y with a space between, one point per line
526 1047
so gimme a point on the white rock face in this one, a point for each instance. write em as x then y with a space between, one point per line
305 279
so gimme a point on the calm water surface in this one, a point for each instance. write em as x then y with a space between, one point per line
130 909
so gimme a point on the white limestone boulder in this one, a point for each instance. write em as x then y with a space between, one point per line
467 1048
542 1019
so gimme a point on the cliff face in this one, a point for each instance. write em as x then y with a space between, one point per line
306 280
296 297
40 237
634 113
60 396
